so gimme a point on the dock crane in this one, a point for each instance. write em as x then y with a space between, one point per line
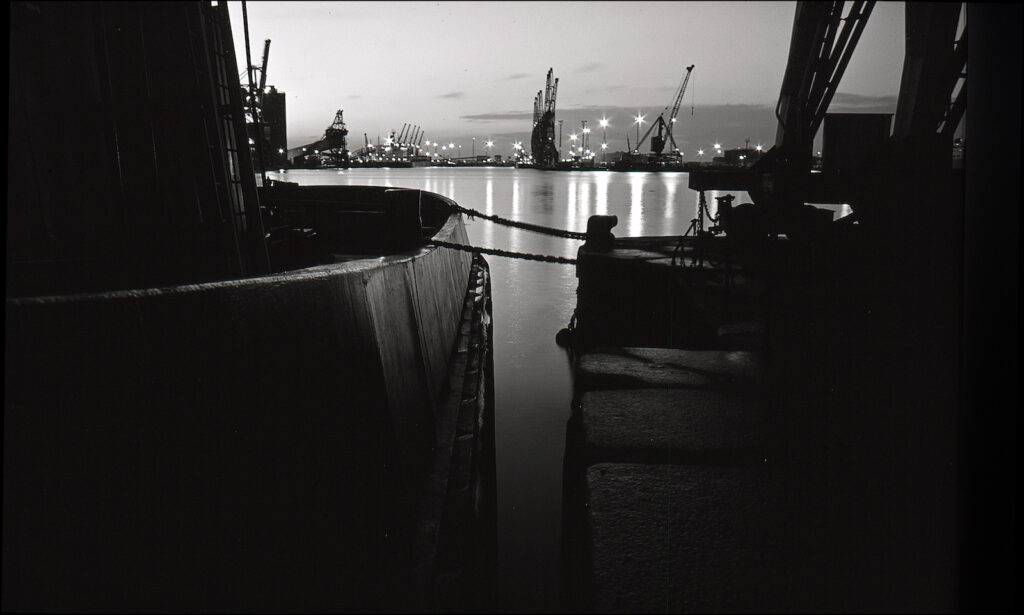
263 72
542 139
665 128
252 96
254 99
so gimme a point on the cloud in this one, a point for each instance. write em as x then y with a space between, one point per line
604 88
859 101
498 115
518 76
590 66
453 95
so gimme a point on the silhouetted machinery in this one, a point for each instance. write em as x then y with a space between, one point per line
334 145
265 115
542 140
864 166
331 149
665 127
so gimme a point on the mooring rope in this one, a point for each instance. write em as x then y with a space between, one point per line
545 230
536 228
506 253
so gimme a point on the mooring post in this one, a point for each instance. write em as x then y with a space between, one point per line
599 233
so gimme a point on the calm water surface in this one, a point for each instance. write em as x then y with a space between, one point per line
532 301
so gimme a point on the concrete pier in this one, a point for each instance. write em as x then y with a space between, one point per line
766 424
674 464
690 486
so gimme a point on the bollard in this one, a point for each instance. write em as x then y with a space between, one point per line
599 232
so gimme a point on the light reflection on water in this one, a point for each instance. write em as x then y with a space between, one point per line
532 301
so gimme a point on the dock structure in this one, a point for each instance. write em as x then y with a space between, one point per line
674 481
729 451
766 410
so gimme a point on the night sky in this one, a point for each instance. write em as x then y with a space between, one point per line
471 69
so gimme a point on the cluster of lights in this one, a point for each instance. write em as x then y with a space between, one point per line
718 150
576 149
580 149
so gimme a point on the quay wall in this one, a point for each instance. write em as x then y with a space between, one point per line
228 445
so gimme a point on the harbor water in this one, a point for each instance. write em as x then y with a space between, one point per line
532 301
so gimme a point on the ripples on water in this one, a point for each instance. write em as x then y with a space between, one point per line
532 301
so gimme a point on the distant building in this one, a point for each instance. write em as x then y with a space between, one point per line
276 128
743 156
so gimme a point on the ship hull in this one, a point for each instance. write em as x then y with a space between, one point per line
244 444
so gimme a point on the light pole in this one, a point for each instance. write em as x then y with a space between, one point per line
604 136
700 153
490 144
639 120
586 137
572 148
474 148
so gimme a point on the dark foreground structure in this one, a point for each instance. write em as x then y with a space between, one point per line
218 396
783 412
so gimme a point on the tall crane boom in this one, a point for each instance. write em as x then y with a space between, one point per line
680 92
665 128
547 89
542 138
675 106
263 68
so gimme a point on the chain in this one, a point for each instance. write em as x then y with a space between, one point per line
536 228
506 253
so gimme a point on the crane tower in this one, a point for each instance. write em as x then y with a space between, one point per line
665 127
542 141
